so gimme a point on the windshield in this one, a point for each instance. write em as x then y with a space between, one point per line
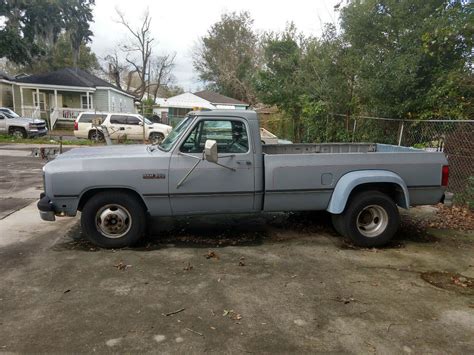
174 135
9 113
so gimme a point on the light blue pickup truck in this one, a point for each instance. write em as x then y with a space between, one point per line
215 162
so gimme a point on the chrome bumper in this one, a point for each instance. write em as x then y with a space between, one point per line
45 208
448 199
47 216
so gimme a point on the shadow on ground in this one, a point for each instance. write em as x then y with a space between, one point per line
247 230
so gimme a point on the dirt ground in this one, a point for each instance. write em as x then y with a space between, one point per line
271 283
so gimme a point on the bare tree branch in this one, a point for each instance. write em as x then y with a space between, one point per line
138 50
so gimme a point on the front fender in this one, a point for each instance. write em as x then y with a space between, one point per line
348 182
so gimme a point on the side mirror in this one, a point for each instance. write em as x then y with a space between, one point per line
140 123
210 151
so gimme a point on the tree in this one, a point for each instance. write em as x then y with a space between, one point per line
138 50
78 15
32 28
161 68
227 57
280 82
61 56
404 47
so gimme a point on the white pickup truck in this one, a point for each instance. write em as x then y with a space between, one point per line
215 162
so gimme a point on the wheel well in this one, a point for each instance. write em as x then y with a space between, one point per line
89 193
391 189
11 128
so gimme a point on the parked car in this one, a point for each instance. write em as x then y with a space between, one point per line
119 124
214 162
21 127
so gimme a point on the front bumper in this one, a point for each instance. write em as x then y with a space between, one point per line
37 133
46 209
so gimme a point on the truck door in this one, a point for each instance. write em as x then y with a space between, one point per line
117 126
211 188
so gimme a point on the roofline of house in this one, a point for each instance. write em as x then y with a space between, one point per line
57 87
228 104
114 89
65 87
7 81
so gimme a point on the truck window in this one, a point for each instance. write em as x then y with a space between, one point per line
133 120
88 117
231 137
118 119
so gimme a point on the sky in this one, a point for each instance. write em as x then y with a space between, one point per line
177 25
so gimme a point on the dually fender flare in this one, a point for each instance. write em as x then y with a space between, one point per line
351 180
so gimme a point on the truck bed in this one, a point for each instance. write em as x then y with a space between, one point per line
305 175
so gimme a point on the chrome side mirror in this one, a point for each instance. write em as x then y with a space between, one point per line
210 151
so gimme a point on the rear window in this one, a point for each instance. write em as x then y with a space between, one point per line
88 117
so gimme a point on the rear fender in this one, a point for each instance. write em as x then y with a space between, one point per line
347 183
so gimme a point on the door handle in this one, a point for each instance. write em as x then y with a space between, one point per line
244 162
122 129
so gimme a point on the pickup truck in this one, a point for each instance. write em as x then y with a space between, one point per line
20 127
215 162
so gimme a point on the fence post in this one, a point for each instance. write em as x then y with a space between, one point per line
401 133
354 129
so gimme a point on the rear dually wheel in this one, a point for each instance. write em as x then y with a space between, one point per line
370 219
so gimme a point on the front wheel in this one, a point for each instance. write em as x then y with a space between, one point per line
371 219
156 138
113 219
18 133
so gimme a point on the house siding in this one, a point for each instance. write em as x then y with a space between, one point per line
6 97
120 102
101 100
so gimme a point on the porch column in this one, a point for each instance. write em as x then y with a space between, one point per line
38 99
87 99
13 98
21 101
56 99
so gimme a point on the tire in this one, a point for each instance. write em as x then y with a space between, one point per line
96 135
18 132
370 219
113 219
156 138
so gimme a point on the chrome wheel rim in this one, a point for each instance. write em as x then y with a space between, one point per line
372 221
17 134
113 221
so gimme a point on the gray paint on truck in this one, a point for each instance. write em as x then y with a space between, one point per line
286 178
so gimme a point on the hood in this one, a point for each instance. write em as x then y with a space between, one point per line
29 120
111 151
161 126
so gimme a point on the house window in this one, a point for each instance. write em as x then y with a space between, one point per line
42 100
84 102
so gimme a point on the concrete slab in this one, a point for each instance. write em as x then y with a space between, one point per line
10 205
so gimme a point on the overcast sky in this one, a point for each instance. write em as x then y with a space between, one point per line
177 25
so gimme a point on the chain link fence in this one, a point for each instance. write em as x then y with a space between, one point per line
453 137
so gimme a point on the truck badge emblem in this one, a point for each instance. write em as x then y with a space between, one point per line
154 176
